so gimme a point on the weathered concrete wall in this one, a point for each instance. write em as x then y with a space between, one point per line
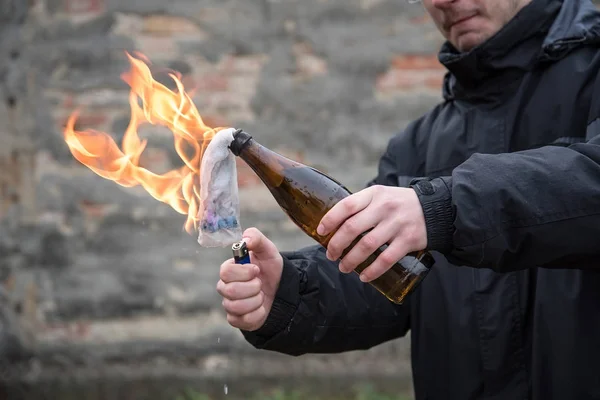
104 276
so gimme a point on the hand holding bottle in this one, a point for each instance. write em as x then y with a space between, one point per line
395 216
248 290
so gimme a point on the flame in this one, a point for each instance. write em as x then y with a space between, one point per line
179 188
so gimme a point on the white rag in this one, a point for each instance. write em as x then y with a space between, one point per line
219 202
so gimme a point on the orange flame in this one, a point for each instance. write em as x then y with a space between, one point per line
180 188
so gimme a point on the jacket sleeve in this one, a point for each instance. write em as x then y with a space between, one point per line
318 309
534 208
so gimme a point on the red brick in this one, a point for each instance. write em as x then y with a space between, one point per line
243 64
209 83
160 47
189 83
84 6
424 18
214 121
409 79
68 101
416 62
94 210
167 25
435 81
307 63
155 160
412 71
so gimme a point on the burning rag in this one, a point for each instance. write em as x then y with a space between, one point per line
219 202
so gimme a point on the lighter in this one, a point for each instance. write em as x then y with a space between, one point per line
240 253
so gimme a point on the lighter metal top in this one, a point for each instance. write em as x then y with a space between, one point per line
239 249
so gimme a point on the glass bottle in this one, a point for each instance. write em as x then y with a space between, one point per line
306 195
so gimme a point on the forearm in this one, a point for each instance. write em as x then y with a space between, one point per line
321 310
536 208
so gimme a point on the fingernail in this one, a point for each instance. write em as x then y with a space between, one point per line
246 240
328 255
363 277
320 229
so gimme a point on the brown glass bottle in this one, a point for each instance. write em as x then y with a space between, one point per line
306 195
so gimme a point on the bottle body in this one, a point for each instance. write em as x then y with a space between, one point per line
306 195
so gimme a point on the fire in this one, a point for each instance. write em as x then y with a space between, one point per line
180 188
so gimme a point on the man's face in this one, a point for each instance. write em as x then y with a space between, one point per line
468 23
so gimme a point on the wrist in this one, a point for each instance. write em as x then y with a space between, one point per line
435 196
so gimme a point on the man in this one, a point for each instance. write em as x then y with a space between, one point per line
510 208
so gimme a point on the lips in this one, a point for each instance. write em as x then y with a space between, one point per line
457 21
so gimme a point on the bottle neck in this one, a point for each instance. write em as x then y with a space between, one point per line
267 164
240 140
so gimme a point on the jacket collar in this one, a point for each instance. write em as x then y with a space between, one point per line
544 30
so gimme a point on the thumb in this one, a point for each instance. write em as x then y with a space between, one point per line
258 243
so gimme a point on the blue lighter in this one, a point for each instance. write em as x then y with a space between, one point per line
240 253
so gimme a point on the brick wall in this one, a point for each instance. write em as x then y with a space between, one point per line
107 273
328 82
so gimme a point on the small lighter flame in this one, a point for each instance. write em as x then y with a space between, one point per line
179 188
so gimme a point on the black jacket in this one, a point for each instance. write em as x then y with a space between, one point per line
511 309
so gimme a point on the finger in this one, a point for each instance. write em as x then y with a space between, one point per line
231 272
394 252
344 209
367 245
239 290
244 306
258 243
350 231
251 321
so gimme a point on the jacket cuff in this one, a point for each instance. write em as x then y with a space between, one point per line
285 304
435 196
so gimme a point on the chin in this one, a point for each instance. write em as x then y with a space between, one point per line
469 41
